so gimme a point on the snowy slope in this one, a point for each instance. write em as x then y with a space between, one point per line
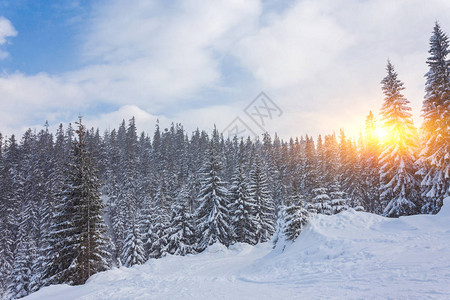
349 255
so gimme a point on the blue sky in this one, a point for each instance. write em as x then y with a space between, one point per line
201 63
47 35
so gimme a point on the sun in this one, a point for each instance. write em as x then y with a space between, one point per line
389 135
382 133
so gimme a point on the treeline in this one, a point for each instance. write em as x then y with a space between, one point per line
169 194
80 201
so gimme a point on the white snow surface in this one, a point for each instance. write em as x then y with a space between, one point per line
351 255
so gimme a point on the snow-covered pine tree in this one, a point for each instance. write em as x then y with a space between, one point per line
36 151
330 201
316 192
212 214
398 184
435 157
339 200
21 272
145 225
309 169
114 209
130 180
115 213
321 159
52 159
133 248
26 269
351 181
180 157
198 146
242 209
369 164
296 216
24 259
330 161
122 184
180 234
231 158
7 219
156 238
78 239
192 189
156 148
267 155
46 161
126 210
285 167
264 206
370 127
144 167
10 203
321 201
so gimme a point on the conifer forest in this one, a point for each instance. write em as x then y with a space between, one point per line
81 200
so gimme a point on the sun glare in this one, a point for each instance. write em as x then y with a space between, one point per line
381 133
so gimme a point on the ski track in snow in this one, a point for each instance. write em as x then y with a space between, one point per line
352 255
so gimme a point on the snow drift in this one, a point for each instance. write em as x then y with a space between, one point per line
348 255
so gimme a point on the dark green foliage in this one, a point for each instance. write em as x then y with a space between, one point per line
78 242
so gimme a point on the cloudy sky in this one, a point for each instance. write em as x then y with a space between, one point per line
202 62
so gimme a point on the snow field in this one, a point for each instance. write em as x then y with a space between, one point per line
351 255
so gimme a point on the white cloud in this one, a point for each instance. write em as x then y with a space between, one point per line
6 30
302 40
137 53
25 99
152 54
323 61
320 61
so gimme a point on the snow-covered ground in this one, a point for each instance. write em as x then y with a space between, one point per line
345 256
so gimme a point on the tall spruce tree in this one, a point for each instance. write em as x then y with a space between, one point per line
156 239
351 179
212 213
21 272
309 169
10 204
435 158
181 230
370 170
330 162
145 225
398 183
7 228
25 256
133 248
78 238
264 206
242 209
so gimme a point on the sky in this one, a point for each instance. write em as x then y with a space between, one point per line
203 63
